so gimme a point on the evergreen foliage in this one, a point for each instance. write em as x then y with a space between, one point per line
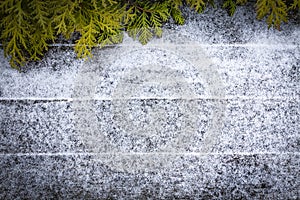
276 11
27 27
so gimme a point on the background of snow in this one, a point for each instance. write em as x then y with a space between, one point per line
53 146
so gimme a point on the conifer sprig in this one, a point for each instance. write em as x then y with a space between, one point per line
28 27
295 5
175 11
16 33
198 5
231 5
275 9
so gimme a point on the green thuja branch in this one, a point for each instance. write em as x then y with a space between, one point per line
231 5
28 27
144 20
97 25
42 32
109 21
16 31
175 11
295 5
274 10
63 16
197 5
